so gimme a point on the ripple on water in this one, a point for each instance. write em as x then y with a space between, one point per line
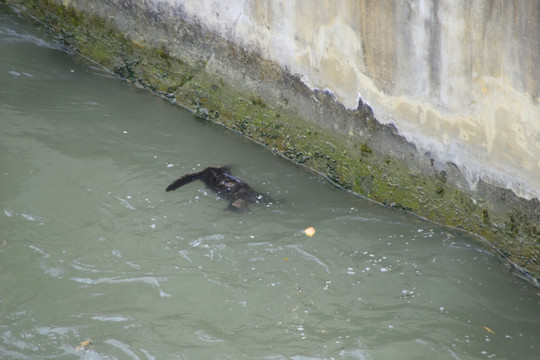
146 279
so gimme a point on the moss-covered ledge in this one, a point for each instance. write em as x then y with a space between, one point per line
222 82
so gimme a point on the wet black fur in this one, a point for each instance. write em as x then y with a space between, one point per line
220 180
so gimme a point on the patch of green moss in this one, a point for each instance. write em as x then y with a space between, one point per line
485 216
258 102
365 148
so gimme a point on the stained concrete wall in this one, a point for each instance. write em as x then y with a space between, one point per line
427 106
458 78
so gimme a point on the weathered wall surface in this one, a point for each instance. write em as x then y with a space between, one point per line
452 129
460 79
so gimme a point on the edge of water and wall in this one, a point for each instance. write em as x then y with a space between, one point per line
159 46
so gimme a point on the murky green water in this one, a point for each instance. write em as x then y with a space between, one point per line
91 246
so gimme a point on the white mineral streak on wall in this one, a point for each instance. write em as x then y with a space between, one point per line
459 78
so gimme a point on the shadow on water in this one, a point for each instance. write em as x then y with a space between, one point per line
92 247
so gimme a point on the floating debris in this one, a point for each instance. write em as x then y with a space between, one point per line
83 344
310 231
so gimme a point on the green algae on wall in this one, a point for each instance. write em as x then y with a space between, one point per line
258 99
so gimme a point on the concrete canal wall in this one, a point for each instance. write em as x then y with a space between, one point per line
428 106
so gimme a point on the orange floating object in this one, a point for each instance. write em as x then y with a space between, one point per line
310 231
83 344
488 330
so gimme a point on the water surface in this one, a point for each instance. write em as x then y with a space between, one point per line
92 247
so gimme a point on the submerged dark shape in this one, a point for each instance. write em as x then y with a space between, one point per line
220 180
